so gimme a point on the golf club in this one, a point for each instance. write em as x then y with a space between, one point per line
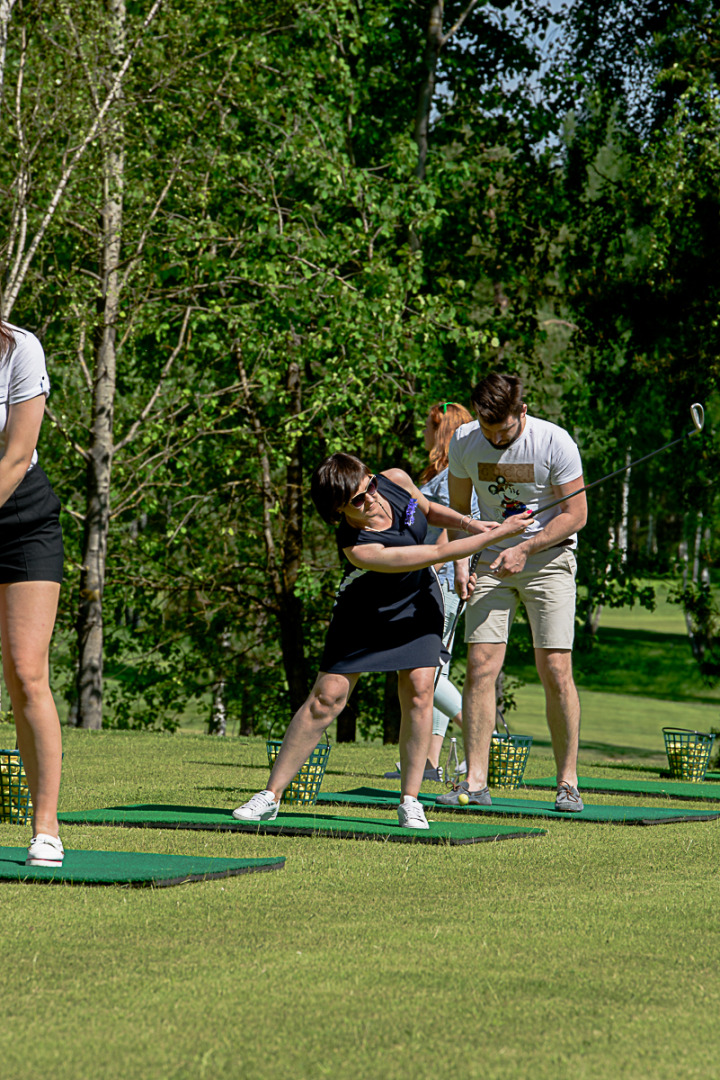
698 418
453 628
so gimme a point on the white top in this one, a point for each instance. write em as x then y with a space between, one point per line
523 473
436 490
23 376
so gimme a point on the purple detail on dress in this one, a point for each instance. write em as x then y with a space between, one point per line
410 512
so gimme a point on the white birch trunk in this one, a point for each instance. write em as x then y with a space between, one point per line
624 511
100 455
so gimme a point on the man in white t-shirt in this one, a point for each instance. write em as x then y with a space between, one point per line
516 461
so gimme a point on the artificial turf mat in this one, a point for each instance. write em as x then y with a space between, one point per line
618 815
668 789
127 868
308 824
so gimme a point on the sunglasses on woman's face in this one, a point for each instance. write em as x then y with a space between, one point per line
358 501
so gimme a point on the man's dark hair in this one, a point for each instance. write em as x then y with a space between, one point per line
497 397
334 483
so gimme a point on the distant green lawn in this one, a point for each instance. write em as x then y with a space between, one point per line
637 652
589 953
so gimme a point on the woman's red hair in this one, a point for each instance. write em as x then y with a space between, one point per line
445 419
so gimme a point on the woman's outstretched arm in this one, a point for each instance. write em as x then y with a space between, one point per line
393 560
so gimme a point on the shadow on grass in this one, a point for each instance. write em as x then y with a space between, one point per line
608 749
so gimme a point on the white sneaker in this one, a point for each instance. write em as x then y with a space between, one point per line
411 814
262 807
45 850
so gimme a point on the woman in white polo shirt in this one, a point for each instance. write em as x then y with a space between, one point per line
31 564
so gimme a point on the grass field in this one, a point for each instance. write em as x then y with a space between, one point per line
590 952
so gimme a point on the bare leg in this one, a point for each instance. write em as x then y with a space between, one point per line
563 709
415 690
327 699
484 664
27 618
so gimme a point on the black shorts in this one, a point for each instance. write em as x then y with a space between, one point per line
31 545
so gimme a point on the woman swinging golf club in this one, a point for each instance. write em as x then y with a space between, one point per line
388 616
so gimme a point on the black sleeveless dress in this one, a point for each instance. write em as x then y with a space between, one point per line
381 621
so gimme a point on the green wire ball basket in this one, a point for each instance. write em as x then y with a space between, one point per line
688 753
15 802
304 787
508 758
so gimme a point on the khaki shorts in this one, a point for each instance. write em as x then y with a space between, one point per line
546 587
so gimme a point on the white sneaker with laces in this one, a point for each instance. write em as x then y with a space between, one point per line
411 814
45 850
262 807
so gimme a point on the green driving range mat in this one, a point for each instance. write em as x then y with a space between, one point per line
618 815
153 816
666 789
127 868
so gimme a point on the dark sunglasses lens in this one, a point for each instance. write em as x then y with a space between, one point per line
358 500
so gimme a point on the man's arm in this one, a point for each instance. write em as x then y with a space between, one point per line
572 518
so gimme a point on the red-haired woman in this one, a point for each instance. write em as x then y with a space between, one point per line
442 422
31 564
388 616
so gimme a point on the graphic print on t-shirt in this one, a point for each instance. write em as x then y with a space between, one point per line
501 480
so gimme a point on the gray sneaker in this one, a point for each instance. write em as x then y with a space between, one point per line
477 798
568 798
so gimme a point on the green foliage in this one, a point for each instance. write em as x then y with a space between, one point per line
700 605
293 284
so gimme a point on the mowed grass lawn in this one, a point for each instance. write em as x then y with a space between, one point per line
588 953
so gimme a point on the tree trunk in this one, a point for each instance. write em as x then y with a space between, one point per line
433 44
651 547
217 724
697 644
282 576
624 511
347 725
391 715
100 454
6 7
291 606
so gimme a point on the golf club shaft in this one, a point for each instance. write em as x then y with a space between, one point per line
458 613
698 416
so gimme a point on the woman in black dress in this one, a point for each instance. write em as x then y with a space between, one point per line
388 616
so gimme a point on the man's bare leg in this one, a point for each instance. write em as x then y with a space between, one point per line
562 709
484 664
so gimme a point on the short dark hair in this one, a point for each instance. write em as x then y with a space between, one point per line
497 397
334 483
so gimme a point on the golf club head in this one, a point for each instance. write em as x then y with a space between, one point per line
698 417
